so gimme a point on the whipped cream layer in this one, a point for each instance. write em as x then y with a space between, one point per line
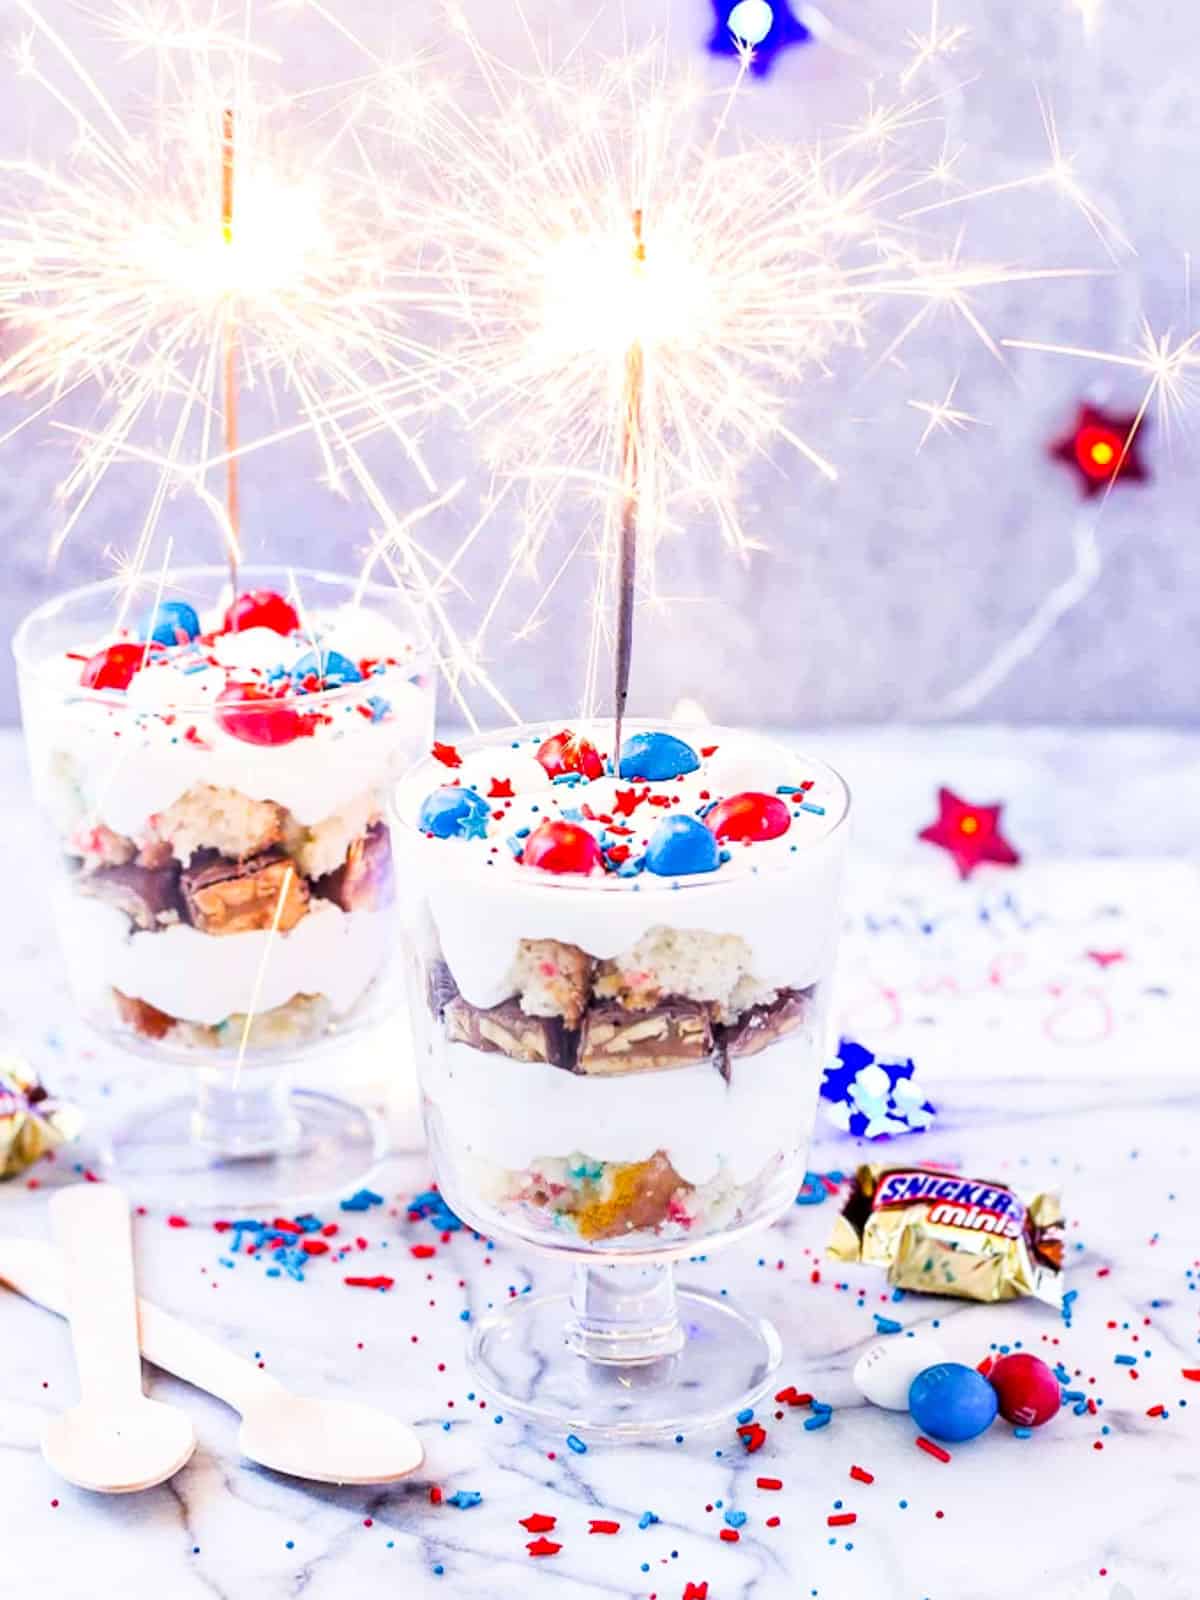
782 895
515 1113
120 758
195 977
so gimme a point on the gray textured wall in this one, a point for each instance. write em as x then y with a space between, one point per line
883 595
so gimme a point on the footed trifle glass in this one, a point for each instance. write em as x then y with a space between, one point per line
618 990
214 772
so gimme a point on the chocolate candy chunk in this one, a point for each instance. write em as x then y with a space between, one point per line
674 1034
224 896
364 881
149 896
506 1029
759 1027
440 987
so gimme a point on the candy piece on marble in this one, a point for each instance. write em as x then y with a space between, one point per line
560 846
655 757
113 667
330 668
261 608
32 1121
681 846
952 1402
171 622
1026 1390
569 752
256 716
749 818
452 812
884 1373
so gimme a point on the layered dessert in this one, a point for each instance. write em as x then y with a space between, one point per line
216 780
623 976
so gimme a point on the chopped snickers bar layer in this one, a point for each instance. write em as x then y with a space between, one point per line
365 881
761 1026
224 897
510 1031
613 1040
149 896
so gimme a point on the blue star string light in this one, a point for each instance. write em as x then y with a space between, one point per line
767 27
871 1098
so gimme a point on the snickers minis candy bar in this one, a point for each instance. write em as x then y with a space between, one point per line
942 1233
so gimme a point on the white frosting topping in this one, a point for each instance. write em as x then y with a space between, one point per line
780 895
122 758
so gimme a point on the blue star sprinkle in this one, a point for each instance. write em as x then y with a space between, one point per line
783 30
873 1098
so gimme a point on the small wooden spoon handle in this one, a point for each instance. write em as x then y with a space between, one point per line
91 1224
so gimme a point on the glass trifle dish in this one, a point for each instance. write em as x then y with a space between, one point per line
619 985
214 771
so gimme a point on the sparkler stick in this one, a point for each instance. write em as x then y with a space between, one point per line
631 448
232 502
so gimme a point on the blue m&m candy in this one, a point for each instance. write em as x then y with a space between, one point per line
952 1402
655 757
331 669
453 812
171 622
680 846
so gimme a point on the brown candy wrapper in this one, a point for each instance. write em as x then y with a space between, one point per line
942 1233
31 1121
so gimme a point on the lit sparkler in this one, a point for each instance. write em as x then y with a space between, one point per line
636 296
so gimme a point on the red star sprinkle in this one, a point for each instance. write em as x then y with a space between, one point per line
447 755
543 1547
628 800
501 789
1102 448
539 1523
970 834
696 1591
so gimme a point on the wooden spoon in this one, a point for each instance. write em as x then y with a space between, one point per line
325 1441
115 1440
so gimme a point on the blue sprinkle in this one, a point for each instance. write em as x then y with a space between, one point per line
735 1519
819 1420
1026 1433
464 1315
747 1415
379 707
647 1519
818 811
887 1324
361 1200
438 1570
1124 1361
574 1442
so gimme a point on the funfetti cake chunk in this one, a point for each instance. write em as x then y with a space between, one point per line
552 979
684 963
322 848
206 818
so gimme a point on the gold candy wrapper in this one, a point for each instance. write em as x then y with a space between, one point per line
942 1233
31 1120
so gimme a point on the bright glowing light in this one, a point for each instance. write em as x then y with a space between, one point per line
751 20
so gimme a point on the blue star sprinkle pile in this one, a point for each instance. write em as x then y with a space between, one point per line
871 1098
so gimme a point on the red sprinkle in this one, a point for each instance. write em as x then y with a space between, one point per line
543 1547
538 1522
379 1282
1192 1374
1156 1411
314 1247
753 1437
177 1222
423 1251
768 1483
435 1496
772 1522
501 789
447 755
730 1535
696 1591
282 1225
842 1519
602 1526
861 1475
932 1449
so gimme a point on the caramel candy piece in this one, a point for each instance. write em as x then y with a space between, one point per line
639 1197
507 1030
225 896
675 1034
553 979
145 1019
761 1026
365 880
148 896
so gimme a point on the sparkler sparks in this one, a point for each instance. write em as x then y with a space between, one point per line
944 416
755 265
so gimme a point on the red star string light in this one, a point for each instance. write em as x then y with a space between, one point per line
1102 448
970 834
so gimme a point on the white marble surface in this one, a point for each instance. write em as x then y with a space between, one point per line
1052 1517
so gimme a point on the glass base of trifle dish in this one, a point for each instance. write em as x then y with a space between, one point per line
618 986
214 774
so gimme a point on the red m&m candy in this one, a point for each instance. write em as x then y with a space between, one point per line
570 752
559 846
261 608
749 817
114 667
1026 1389
257 716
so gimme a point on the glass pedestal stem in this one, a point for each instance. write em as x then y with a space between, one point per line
244 1115
624 1315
